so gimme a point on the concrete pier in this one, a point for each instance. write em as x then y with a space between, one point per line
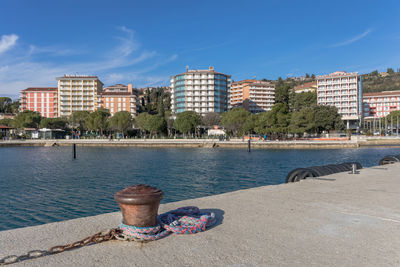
338 220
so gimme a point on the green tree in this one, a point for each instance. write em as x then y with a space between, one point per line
234 120
14 107
249 125
307 75
53 123
6 122
27 119
5 105
121 121
274 122
155 124
78 119
141 120
302 121
211 119
169 121
187 121
327 119
374 73
282 92
392 115
390 71
303 100
98 120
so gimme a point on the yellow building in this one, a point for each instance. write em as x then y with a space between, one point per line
77 93
253 95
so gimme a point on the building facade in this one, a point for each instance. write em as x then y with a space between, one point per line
40 99
202 91
379 105
306 87
78 93
344 91
253 95
119 98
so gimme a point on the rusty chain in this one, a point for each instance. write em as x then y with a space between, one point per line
99 237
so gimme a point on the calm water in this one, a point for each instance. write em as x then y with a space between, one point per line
44 184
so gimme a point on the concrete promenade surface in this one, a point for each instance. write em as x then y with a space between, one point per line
338 220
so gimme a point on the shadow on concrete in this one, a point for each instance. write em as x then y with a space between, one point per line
219 216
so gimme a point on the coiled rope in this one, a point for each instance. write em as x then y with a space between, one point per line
185 220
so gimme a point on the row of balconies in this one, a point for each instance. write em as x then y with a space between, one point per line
335 81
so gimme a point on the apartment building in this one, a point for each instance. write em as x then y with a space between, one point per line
78 93
253 95
40 99
202 91
379 105
342 90
119 97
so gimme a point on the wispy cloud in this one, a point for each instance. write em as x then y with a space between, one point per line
52 51
353 40
7 41
127 61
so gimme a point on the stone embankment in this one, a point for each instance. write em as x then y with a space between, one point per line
210 143
338 220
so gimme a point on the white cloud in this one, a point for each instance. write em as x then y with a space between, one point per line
354 39
21 70
7 41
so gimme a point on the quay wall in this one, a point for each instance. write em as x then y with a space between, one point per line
210 143
338 220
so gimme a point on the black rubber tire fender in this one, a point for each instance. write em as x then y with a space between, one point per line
319 170
293 174
333 167
303 175
388 160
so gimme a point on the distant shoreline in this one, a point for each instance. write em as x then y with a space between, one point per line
207 143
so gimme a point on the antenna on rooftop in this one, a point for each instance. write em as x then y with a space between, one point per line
187 68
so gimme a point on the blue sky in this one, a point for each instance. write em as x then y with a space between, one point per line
145 42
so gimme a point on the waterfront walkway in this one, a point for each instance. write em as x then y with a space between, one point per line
338 220
211 143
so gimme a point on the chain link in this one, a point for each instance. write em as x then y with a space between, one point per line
114 233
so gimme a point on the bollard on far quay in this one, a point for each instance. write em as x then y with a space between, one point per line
139 205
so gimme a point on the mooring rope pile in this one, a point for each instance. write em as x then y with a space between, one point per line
185 220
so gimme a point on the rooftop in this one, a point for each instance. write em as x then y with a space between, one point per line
35 89
306 85
249 81
210 69
384 93
338 74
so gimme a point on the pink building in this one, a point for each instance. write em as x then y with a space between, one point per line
379 105
40 99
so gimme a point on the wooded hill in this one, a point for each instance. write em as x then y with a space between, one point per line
384 81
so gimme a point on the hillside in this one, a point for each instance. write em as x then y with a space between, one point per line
375 82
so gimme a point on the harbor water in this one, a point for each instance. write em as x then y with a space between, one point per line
45 184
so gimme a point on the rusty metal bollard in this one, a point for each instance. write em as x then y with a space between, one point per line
139 204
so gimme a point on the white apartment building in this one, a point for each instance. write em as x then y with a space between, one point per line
253 95
202 91
78 93
342 90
